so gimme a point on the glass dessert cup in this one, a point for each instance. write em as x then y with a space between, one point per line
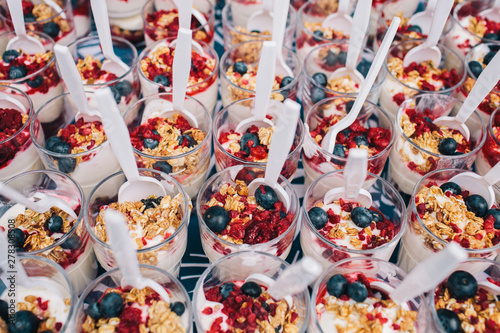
486 274
81 17
124 9
235 16
88 167
376 275
17 153
410 159
69 246
326 59
126 88
399 86
421 240
236 268
154 311
161 21
41 82
489 155
128 25
53 307
157 78
318 161
271 238
236 85
226 139
165 252
189 168
342 238
467 30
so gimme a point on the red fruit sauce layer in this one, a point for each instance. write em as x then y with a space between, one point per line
168 21
11 122
491 148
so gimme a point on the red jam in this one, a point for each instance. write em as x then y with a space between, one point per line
11 122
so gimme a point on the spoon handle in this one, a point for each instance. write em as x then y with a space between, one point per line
181 67
359 26
100 12
265 79
355 172
493 176
443 8
279 23
16 196
431 5
16 14
343 6
267 6
496 5
185 8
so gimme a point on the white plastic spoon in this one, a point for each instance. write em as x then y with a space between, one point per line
485 83
340 20
180 77
423 19
493 13
73 81
328 142
359 24
428 50
52 4
185 9
262 20
22 41
113 63
45 201
281 142
279 27
263 89
126 256
136 187
196 13
8 102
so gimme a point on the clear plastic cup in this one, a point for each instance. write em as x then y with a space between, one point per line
235 16
129 25
190 169
408 161
229 117
165 255
81 17
382 275
249 53
489 155
215 246
73 251
88 167
386 200
236 268
317 161
317 62
419 241
112 281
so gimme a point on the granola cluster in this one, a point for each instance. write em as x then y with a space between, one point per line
326 32
40 308
246 148
343 84
91 72
166 24
41 12
406 29
480 26
82 136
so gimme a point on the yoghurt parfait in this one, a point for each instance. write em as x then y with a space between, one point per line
421 146
371 131
81 17
405 82
231 296
125 20
440 211
232 219
344 228
489 155
155 72
52 234
157 224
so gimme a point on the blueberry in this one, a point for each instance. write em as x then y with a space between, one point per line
111 305
454 188
348 106
24 322
124 87
339 150
36 82
376 216
447 146
55 223
116 94
225 289
216 218
361 140
150 143
186 140
149 203
363 67
317 94
51 29
462 285
286 81
415 28
72 243
66 165
342 57
163 166
318 34
240 67
17 72
488 57
491 36
49 144
255 31
331 58
29 18
162 79
18 235
427 119
361 216
476 204
94 311
245 139
282 215
337 285
346 132
59 147
266 197
4 310
476 68
318 217
449 320
320 79
10 55
357 291
494 47
178 308
496 215
251 289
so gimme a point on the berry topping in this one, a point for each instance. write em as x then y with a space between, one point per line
361 216
451 187
150 143
342 57
10 55
495 214
151 202
317 94
186 140
4 310
363 67
51 29
94 311
339 150
225 289
266 196
116 94
491 36
162 79
337 285
124 87
36 82
415 28
447 146
361 140
24 322
240 67
462 285
216 218
58 146
72 243
318 33
163 166
449 320
286 81
247 141
111 305
331 58
488 57
320 79
376 216
178 308
357 291
19 237
318 217
17 72
28 18
66 165
251 289
55 223
476 204
476 68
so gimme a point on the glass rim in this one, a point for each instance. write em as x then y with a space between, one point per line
468 59
456 20
490 126
341 248
31 115
302 27
8 18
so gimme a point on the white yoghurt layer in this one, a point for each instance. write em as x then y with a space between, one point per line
404 177
82 25
39 99
24 160
119 8
460 36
